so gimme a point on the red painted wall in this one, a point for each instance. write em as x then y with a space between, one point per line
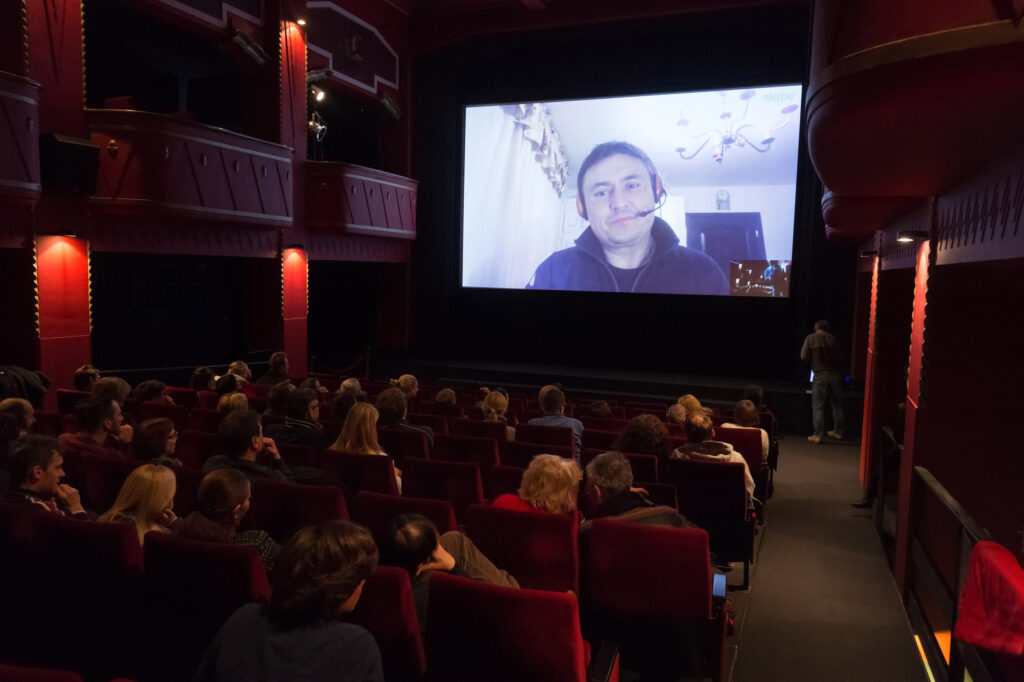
55 60
295 307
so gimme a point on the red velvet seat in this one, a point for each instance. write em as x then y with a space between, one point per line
616 425
480 429
477 631
598 439
403 443
375 473
186 397
645 467
176 413
457 482
376 510
297 454
545 435
516 453
195 447
104 477
481 451
16 529
205 420
186 493
281 508
192 587
538 548
48 423
68 399
207 399
387 610
254 390
659 493
649 589
504 479
438 423
748 443
435 408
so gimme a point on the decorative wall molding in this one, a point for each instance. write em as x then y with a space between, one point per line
216 12
356 53
186 238
19 140
357 248
356 200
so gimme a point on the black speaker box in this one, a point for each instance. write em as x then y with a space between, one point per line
68 164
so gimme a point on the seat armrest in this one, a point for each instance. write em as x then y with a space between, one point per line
603 663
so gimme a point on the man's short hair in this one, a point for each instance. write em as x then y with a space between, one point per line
611 473
150 389
552 401
676 414
18 409
747 414
277 361
754 394
84 377
277 396
410 540
822 325
30 452
319 569
298 402
446 396
606 149
91 412
391 404
228 383
201 378
698 427
237 430
112 388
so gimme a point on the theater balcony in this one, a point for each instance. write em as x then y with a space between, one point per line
157 166
348 199
19 141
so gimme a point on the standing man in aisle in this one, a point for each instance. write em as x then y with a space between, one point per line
821 350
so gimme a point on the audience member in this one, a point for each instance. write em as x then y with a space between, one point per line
700 433
153 391
494 407
277 369
447 397
302 423
85 377
117 389
552 404
600 408
146 501
21 411
241 370
610 494
343 402
676 414
407 384
229 383
393 409
241 434
747 416
645 434
202 379
755 394
155 441
277 399
313 384
319 575
229 402
359 435
36 469
414 544
352 385
99 420
224 498
550 484
692 405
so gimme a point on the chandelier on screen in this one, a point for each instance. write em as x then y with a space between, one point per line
736 131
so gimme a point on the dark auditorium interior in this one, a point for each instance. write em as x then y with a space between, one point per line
189 183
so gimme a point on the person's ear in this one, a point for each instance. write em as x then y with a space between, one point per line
35 473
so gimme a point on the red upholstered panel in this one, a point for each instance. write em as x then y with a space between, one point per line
478 631
403 443
745 441
545 435
375 510
457 482
281 508
649 570
63 282
504 479
480 429
480 451
56 61
361 472
519 454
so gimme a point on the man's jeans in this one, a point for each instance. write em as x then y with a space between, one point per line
827 386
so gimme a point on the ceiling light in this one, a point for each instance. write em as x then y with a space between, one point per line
910 236
318 93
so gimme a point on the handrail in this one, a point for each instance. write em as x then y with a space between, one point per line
974 531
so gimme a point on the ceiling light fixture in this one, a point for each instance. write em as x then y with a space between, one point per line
737 132
910 236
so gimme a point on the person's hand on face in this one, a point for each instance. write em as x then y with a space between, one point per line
71 496
269 447
440 560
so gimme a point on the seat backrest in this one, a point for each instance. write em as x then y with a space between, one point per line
517 453
360 472
650 571
660 493
457 482
255 390
545 435
192 588
637 410
613 424
183 396
186 493
538 548
437 422
482 451
204 419
68 399
402 443
481 429
435 408
104 477
745 441
281 508
713 496
599 439
207 399
387 610
504 479
48 423
176 413
376 510
195 447
297 454
479 631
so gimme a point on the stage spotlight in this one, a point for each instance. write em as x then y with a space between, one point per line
318 93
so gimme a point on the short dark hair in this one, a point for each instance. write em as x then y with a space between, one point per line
298 402
606 149
822 325
228 383
410 540
698 428
553 401
277 361
92 411
150 439
645 434
754 394
18 409
150 389
237 430
319 569
201 378
277 396
391 404
84 377
29 452
600 408
746 414
114 388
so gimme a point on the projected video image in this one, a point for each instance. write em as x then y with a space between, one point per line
649 194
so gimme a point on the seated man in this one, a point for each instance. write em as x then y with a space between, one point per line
21 411
700 432
240 369
277 369
393 408
610 494
413 543
85 377
117 389
302 424
319 575
241 434
277 399
37 468
100 422
552 404
152 391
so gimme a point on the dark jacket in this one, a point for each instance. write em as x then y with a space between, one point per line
633 507
51 503
279 472
299 432
821 349
672 269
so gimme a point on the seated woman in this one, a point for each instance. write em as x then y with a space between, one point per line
155 440
359 435
230 402
692 405
407 384
550 484
645 434
146 500
494 407
747 416
203 379
224 498
298 637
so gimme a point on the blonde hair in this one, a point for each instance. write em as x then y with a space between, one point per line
359 432
692 405
551 483
676 414
146 493
494 406
229 402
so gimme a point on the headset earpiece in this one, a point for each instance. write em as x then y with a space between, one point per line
580 208
659 189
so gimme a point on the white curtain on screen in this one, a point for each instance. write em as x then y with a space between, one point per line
511 213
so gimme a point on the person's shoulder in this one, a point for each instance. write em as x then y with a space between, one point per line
553 271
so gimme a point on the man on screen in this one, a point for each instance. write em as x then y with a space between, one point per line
626 248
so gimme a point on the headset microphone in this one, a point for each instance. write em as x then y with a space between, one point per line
648 212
